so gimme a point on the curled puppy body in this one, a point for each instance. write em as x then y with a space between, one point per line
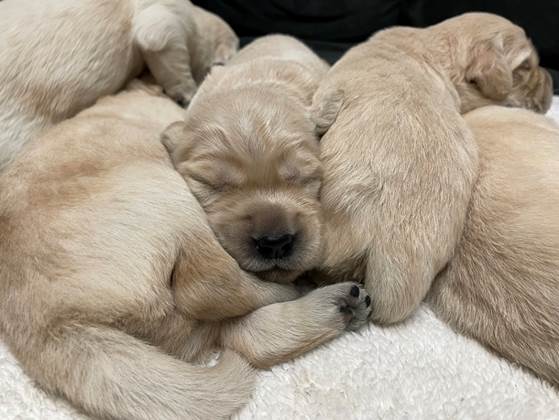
399 161
249 152
58 56
94 222
502 285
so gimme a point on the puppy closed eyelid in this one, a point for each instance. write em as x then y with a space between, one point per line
525 65
213 184
296 177
472 82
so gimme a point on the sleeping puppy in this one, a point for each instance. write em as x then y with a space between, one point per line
502 285
112 281
58 56
399 161
249 152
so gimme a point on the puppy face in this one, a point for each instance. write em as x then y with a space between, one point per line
497 64
256 172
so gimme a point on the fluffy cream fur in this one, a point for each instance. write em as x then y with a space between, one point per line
502 285
58 56
249 152
113 282
399 161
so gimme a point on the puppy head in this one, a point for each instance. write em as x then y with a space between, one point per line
493 62
255 170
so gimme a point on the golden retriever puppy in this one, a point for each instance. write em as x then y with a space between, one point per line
58 56
399 161
112 282
502 285
250 154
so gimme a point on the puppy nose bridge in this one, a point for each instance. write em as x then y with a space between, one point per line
274 230
273 220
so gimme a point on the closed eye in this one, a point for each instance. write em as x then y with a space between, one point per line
216 184
473 83
310 179
525 65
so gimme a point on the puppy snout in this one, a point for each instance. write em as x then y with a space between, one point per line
274 231
275 246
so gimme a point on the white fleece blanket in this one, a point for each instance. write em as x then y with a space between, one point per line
417 370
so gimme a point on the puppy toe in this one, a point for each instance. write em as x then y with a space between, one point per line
356 307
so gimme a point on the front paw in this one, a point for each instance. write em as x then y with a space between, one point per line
224 53
343 305
355 306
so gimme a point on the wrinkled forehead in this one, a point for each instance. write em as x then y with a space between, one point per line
253 139
252 127
256 150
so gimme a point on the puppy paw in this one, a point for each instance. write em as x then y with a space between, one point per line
355 307
224 53
344 305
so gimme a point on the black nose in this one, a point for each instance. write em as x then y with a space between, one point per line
272 247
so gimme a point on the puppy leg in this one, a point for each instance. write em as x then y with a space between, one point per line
209 284
224 52
111 374
398 279
162 38
280 332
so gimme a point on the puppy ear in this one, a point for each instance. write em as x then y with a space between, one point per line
173 136
176 140
489 69
326 105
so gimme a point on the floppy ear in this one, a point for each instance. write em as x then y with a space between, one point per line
489 69
326 105
176 140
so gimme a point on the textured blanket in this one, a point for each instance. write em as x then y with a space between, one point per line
418 370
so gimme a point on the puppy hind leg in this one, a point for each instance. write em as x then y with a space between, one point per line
162 39
282 331
114 375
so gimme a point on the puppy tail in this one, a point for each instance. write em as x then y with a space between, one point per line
114 375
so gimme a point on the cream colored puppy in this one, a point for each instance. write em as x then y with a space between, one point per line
399 161
249 151
113 283
58 56
502 285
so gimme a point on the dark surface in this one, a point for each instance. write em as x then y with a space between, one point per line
330 27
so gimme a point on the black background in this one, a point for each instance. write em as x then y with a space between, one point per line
331 27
